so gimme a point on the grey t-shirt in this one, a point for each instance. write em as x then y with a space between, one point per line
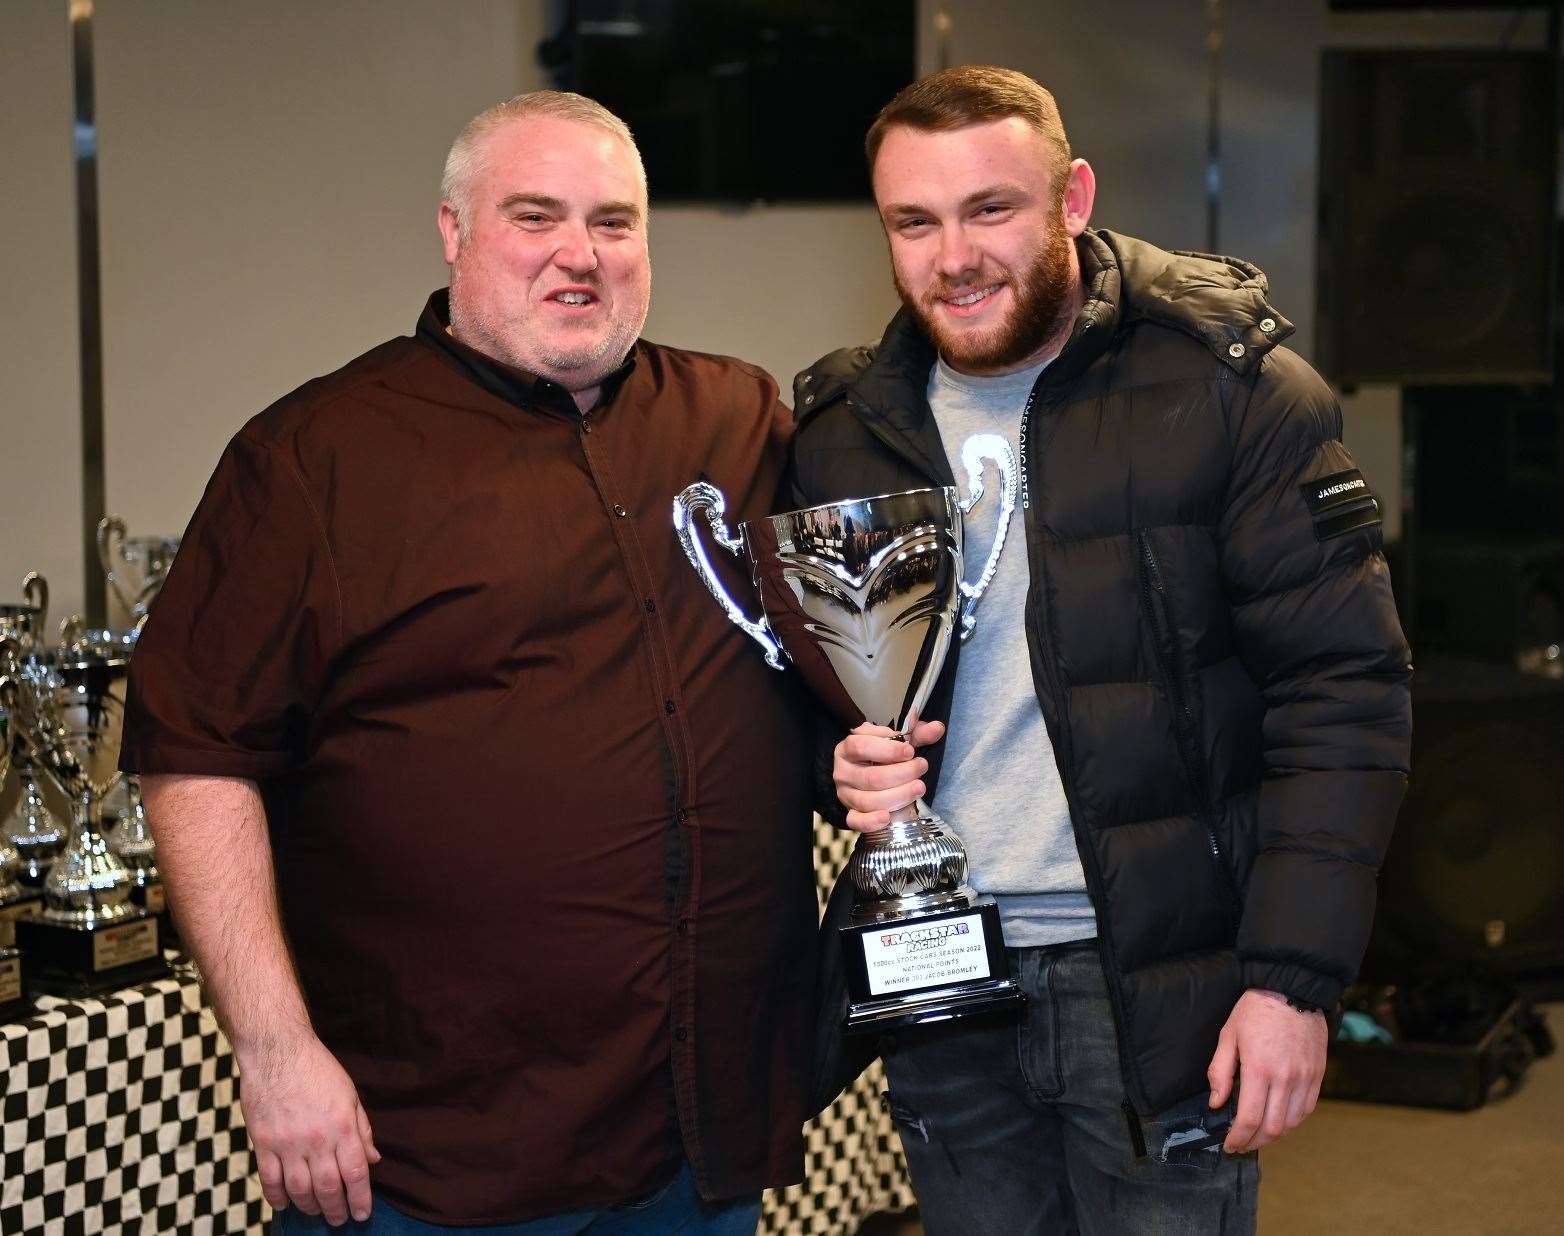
999 786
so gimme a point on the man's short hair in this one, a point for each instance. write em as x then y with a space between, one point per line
973 94
462 163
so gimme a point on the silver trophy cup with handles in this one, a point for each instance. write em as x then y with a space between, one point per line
134 567
863 598
31 829
68 708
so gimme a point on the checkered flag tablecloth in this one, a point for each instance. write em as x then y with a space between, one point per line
853 1164
121 1115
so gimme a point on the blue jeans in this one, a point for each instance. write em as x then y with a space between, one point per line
674 1210
1019 1126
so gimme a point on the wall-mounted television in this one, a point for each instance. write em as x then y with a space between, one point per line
741 100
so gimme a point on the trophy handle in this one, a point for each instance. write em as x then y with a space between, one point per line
71 629
35 591
974 451
111 550
704 496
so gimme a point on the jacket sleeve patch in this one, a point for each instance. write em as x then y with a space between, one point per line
1340 503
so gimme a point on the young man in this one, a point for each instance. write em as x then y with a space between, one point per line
490 834
1179 735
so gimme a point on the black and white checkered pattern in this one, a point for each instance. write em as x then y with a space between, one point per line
853 1164
121 1115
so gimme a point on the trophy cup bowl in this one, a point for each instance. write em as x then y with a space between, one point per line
864 597
90 936
31 828
134 567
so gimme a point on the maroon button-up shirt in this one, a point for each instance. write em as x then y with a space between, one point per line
539 812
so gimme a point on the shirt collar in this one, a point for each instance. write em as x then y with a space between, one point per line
513 385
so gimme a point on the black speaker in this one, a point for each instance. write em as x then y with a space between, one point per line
1475 871
1436 208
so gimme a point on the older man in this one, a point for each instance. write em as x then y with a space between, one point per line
1179 733
485 826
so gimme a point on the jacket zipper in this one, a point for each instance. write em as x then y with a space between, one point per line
1184 716
1065 757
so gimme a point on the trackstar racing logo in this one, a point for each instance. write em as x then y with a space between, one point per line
924 937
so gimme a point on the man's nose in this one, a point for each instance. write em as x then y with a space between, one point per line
576 252
957 254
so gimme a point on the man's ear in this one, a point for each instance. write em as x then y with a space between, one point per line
450 232
1080 191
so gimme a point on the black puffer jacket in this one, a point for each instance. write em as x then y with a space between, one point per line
1213 639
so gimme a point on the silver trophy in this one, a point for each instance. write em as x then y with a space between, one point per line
68 707
134 567
864 598
123 818
31 829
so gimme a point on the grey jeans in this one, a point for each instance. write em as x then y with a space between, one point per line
1019 1126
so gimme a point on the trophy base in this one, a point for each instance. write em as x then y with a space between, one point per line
149 897
28 905
14 1002
923 968
89 961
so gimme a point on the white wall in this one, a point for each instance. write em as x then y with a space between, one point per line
40 403
268 175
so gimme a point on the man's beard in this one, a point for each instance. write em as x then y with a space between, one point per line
1043 295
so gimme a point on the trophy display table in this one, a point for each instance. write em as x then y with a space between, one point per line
120 1115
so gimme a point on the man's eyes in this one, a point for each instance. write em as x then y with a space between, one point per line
534 219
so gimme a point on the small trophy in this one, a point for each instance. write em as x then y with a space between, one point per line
31 829
123 818
68 708
134 567
863 596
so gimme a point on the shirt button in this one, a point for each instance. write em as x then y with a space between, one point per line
680 1034
684 816
651 605
586 424
1267 325
1235 350
620 511
668 707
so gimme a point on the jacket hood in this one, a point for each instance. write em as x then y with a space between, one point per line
1224 302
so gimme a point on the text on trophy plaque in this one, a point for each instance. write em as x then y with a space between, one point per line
118 946
913 954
